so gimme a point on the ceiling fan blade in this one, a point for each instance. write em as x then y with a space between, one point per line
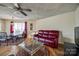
15 4
23 13
19 6
27 10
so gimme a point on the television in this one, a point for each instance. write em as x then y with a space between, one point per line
77 36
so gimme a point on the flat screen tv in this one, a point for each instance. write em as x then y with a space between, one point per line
77 36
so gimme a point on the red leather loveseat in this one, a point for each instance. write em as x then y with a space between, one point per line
48 37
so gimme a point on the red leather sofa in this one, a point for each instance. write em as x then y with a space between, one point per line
48 37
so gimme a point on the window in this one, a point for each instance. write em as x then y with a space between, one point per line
18 28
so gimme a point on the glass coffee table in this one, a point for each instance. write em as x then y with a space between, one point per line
31 48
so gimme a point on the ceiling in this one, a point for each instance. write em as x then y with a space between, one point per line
39 10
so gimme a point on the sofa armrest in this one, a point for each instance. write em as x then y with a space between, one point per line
36 35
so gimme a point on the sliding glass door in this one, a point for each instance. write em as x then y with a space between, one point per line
18 28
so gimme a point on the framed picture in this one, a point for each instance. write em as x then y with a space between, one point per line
31 26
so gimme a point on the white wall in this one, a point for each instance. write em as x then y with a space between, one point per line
77 17
28 26
63 22
2 25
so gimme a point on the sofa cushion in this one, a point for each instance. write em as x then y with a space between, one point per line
49 37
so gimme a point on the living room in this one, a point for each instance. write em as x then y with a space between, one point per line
60 19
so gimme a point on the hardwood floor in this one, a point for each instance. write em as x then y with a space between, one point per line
5 50
44 51
52 51
21 52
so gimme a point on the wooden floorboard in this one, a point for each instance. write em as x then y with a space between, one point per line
20 52
6 48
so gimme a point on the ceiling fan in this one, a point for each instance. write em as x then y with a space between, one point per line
17 7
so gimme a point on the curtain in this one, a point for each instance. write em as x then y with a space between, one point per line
11 28
25 30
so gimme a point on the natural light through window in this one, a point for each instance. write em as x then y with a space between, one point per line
18 28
